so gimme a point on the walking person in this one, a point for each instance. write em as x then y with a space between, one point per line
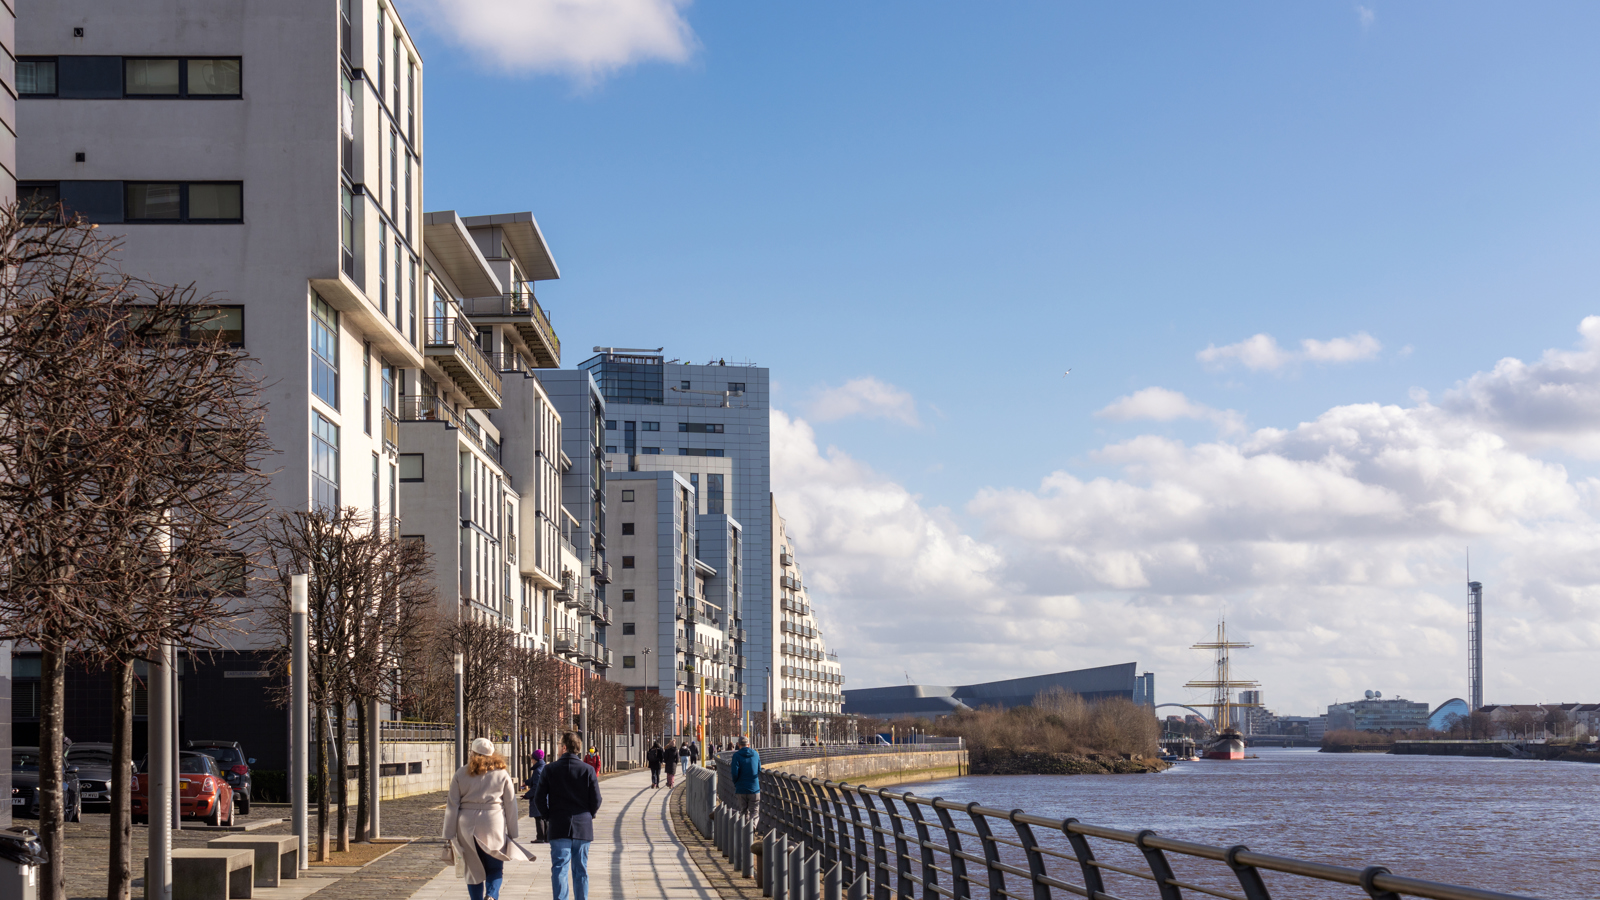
593 760
541 825
744 770
480 821
669 759
654 757
694 754
569 794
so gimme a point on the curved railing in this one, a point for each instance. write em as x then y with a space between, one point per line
885 843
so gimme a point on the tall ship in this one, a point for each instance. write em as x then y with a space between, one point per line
1226 740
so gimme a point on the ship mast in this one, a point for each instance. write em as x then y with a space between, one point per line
1222 688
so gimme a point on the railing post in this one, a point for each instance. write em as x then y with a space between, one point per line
797 872
769 845
780 868
960 885
812 875
1249 876
839 829
1092 882
902 855
832 883
1030 846
991 854
930 874
1369 883
880 853
1159 867
858 888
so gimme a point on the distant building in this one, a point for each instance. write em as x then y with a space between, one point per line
1454 708
1144 689
928 700
1378 714
1317 727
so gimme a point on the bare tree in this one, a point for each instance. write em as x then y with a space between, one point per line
130 433
486 649
653 709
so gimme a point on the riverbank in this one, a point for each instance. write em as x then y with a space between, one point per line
1497 749
999 761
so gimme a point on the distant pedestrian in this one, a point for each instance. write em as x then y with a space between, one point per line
541 825
593 759
694 752
669 759
480 821
654 757
569 794
744 770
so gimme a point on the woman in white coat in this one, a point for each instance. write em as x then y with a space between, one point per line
480 821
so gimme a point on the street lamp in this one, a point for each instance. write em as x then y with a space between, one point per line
646 690
461 713
299 711
769 706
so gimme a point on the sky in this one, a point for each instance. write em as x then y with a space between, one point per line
1323 275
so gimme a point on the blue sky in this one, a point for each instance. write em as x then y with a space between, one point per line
961 200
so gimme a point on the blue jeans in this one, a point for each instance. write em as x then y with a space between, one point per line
493 874
564 853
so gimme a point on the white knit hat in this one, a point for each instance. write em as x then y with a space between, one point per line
482 747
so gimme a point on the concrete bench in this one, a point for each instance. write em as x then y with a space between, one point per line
208 874
277 855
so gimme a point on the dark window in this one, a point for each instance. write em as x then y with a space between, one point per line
627 562
699 451
89 77
736 386
39 199
700 427
96 201
611 424
611 448
226 322
209 77
325 351
172 201
627 596
411 467
649 426
629 437
627 496
627 628
683 385
627 528
36 77
714 495
627 661
324 462
151 77
650 451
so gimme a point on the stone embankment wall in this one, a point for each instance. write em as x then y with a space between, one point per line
997 761
879 769
1502 749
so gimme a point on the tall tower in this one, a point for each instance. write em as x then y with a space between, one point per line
1475 645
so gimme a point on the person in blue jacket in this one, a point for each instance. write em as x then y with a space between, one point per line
744 768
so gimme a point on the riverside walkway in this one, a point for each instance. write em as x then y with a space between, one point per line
635 854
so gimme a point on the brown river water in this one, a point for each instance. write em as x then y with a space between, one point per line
1516 826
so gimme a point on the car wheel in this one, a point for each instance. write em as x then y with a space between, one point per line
245 806
76 813
215 819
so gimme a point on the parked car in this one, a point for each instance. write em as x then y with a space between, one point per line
203 791
93 762
25 786
235 767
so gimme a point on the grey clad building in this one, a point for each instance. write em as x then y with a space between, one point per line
904 701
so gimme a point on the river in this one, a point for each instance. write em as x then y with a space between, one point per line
1518 826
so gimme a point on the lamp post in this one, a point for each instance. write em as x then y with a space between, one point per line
461 713
160 778
299 712
769 706
646 690
516 730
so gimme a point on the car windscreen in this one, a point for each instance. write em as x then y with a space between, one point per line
24 761
225 755
193 764
88 756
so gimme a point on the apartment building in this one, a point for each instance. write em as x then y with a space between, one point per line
679 584
710 424
810 681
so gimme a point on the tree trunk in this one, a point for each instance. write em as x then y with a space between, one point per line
363 801
52 684
319 727
119 882
342 782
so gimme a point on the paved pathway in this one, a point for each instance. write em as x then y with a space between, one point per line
635 855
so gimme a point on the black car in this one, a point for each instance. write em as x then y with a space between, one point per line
93 762
25 786
234 764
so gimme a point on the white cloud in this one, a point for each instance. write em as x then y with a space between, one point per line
584 39
1366 15
1335 545
1159 404
1261 352
866 398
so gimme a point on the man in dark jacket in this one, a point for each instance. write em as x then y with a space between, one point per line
569 795
655 758
541 825
669 759
744 770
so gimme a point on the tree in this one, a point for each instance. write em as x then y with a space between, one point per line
722 722
652 711
130 434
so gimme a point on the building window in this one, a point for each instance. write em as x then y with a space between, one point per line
627 562
700 427
627 628
650 451
199 78
627 496
627 661
409 160
627 596
226 323
611 424
627 528
411 102
169 201
699 451
683 385
366 388
412 287
611 448
394 173
36 77
325 351
629 437
649 426
377 491
411 467
399 314
324 462
383 269
736 386
347 230
714 494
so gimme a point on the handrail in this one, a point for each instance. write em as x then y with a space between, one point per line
432 409
514 304
446 332
1014 854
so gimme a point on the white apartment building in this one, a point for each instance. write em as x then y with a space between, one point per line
810 681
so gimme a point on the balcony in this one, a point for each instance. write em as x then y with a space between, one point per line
523 312
430 409
568 643
785 558
601 570
391 432
453 345
602 613
567 598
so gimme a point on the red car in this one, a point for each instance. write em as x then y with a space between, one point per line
203 791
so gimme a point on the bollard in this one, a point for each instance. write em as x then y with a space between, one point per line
797 872
780 868
760 855
859 889
812 889
831 881
747 847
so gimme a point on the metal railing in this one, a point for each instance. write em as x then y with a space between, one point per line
391 431
431 732
516 304
462 337
432 409
882 844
